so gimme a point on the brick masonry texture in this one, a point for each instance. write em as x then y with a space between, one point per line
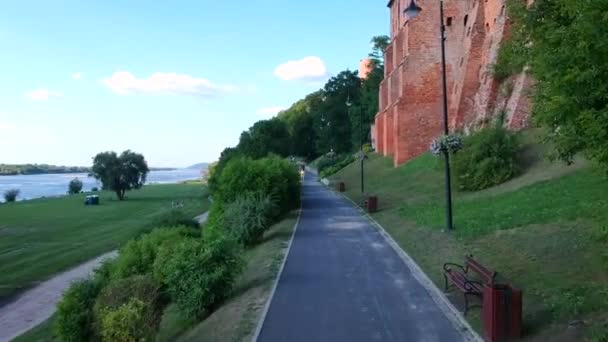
410 113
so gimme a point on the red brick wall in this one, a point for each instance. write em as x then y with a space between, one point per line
410 113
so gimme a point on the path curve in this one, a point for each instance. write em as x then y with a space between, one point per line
36 305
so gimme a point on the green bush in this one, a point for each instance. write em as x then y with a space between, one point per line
198 274
249 217
74 312
488 158
137 256
75 186
126 323
176 218
270 176
337 166
119 293
11 195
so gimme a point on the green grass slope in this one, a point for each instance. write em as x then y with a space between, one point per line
541 231
44 236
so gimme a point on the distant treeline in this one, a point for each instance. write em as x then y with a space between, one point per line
36 169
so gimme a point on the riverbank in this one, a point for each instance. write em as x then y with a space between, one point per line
43 237
54 185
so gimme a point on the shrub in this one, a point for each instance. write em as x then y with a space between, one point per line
94 189
75 186
249 217
489 157
337 166
198 274
368 148
126 323
137 256
142 288
11 195
270 176
175 218
74 311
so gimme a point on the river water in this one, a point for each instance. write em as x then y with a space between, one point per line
35 186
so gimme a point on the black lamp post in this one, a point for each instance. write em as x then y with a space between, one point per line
412 11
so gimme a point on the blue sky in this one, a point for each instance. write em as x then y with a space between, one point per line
175 80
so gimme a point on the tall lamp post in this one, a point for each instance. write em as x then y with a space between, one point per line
412 11
348 105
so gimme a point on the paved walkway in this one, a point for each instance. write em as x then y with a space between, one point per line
343 282
36 305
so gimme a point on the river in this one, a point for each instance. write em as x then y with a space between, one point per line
46 185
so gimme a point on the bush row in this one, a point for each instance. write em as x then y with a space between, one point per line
329 165
125 299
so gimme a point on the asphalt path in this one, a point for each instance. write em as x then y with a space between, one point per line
342 281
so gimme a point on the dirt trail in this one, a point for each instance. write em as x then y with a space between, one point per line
38 304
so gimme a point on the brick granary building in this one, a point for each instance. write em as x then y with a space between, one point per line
410 113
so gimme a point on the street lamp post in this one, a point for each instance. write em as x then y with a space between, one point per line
412 11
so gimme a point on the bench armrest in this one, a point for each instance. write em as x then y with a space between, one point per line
447 267
468 284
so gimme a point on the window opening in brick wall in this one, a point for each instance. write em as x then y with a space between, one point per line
449 23
466 19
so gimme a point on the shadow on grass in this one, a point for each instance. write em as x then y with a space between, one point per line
274 235
249 285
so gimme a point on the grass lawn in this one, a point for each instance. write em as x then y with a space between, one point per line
41 237
541 231
237 319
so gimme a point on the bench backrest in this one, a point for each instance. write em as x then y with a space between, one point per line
487 275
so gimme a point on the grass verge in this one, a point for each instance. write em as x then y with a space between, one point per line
236 320
42 237
542 231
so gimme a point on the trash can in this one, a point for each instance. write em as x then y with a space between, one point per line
372 203
502 312
95 200
341 187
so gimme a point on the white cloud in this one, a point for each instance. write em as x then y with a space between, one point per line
76 76
269 111
124 82
42 94
307 69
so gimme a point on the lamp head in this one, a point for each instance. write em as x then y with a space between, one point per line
412 10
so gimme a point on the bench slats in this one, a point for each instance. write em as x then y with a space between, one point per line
462 281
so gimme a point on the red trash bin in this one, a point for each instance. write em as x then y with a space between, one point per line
502 312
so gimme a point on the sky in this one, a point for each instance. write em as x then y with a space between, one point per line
177 81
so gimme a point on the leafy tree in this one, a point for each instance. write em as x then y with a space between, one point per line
120 173
300 123
75 186
567 46
332 123
370 87
265 137
11 195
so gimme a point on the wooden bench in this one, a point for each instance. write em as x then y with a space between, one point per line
461 278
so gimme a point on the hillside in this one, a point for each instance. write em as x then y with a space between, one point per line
199 166
541 231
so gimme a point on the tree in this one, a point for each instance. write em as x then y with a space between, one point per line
265 137
567 45
300 123
11 195
332 122
75 186
120 173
